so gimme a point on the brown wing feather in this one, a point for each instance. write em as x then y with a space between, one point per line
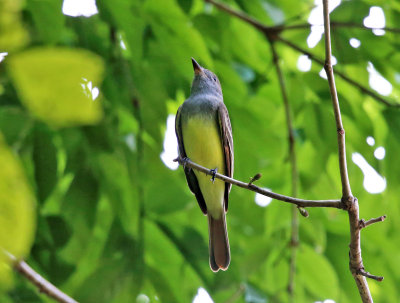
227 144
190 176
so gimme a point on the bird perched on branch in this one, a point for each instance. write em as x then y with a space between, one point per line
204 133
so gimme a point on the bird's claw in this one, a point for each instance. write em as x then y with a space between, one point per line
213 173
184 160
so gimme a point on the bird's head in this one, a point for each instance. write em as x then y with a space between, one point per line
205 81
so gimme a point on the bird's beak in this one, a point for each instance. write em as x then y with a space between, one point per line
196 67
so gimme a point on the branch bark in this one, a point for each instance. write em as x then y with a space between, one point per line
41 283
351 203
364 224
346 190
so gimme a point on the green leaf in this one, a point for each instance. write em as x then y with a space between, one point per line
44 13
119 190
59 230
318 275
56 84
17 215
393 120
13 35
45 159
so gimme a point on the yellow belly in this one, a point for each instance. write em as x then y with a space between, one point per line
203 145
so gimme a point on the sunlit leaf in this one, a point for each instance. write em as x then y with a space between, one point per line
58 85
17 216
13 35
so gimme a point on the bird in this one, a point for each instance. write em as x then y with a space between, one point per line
204 132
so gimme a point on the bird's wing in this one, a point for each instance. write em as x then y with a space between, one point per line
227 143
190 176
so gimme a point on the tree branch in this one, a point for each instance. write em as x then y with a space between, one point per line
294 239
356 84
348 202
356 262
239 15
335 24
186 162
364 223
368 275
346 190
272 32
41 283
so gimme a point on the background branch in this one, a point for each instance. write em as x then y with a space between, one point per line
294 239
41 283
335 24
272 33
356 84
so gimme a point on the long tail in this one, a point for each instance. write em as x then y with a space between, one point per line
220 255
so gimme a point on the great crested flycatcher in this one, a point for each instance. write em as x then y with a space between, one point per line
204 134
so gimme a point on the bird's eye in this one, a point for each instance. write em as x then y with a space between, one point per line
215 79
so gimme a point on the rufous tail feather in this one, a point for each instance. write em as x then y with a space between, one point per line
220 255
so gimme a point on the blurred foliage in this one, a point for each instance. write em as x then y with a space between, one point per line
83 121
17 212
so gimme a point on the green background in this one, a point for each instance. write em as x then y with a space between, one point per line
86 199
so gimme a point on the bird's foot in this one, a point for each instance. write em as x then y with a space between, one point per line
213 173
184 161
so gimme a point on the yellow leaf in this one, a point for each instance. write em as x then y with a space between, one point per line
17 213
58 85
13 35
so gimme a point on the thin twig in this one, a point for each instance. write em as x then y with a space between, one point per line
334 24
364 224
41 283
361 26
255 178
272 32
237 294
368 275
356 84
294 240
346 190
238 14
300 202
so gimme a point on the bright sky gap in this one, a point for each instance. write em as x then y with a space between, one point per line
373 183
170 145
76 8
